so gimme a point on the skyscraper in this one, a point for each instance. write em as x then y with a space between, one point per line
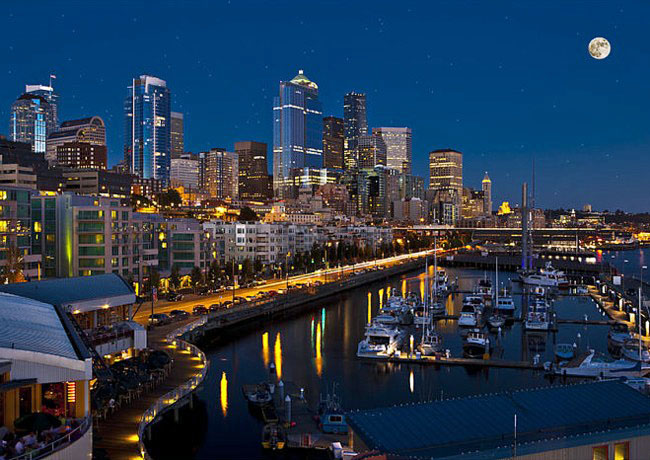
333 142
486 186
371 152
177 133
446 171
398 147
51 97
147 147
253 170
90 130
355 125
221 174
31 120
297 133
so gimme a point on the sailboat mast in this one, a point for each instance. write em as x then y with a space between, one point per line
496 269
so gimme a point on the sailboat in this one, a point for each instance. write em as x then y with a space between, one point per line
436 306
431 343
496 320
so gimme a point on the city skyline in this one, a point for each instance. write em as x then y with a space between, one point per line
529 109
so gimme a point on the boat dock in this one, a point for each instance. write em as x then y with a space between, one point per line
444 361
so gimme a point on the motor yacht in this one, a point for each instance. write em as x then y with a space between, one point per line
431 343
547 277
594 364
618 334
380 341
538 317
476 342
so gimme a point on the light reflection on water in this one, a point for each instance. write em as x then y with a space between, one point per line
335 334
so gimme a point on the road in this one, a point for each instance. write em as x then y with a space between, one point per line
324 276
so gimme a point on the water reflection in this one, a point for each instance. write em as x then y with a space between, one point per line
381 299
277 351
404 291
224 394
265 349
411 382
319 357
369 307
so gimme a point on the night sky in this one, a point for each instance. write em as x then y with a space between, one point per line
503 82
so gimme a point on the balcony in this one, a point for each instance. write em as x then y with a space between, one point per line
74 443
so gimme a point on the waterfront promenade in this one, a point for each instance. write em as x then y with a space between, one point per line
117 435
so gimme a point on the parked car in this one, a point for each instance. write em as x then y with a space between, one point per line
179 314
227 304
217 307
174 296
158 319
205 291
272 293
199 310
240 300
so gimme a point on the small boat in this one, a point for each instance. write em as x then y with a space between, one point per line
476 342
538 318
467 319
386 318
564 351
437 309
331 417
484 288
618 334
594 364
505 305
380 341
258 395
273 437
496 321
431 343
631 351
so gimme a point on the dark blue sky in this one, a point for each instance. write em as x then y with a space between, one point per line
500 81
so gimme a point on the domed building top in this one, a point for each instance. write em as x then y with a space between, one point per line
486 178
301 79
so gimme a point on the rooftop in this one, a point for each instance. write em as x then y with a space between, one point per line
29 325
83 292
485 423
301 79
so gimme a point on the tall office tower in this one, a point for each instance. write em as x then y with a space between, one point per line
177 133
51 97
333 142
446 171
253 170
371 152
486 186
297 133
147 146
185 170
355 126
398 147
90 130
31 120
221 174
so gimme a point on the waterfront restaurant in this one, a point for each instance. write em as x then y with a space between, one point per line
98 300
607 420
45 367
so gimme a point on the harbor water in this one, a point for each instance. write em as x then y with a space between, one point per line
317 349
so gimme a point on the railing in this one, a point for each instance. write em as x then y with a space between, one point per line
167 400
59 443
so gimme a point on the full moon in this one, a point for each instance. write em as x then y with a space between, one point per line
599 48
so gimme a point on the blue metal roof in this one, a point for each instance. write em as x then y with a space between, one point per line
64 291
486 422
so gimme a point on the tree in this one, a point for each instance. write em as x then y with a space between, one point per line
258 266
246 214
153 280
12 271
175 277
139 201
246 269
170 197
214 273
196 276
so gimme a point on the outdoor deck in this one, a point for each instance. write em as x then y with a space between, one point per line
117 434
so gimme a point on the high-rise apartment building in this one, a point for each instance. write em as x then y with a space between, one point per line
355 125
90 130
398 147
31 121
15 229
333 142
185 170
177 133
253 170
81 155
220 174
371 152
147 148
297 133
